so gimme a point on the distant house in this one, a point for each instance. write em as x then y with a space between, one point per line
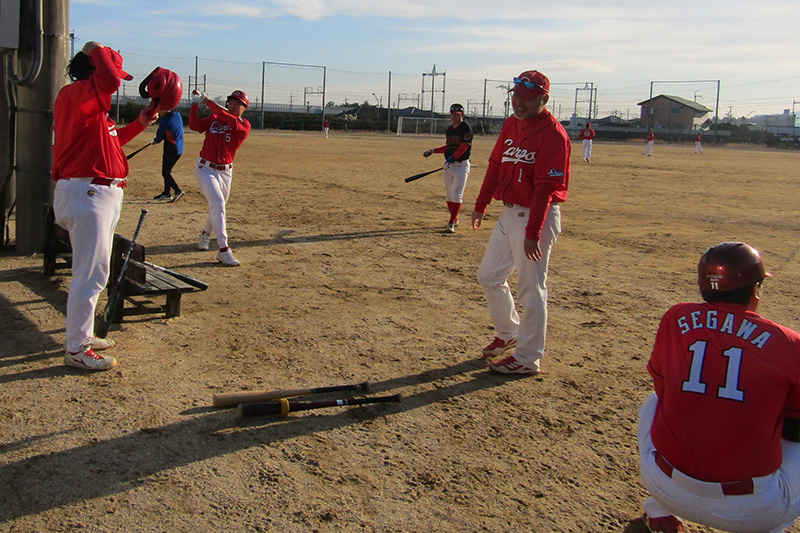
671 112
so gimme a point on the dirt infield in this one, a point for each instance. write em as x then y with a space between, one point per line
347 277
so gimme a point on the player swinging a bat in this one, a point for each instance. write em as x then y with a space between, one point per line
90 172
458 145
225 130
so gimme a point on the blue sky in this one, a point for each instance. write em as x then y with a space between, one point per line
617 48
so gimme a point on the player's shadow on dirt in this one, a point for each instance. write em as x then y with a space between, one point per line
112 466
285 237
20 337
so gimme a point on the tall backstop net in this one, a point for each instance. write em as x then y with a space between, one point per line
422 125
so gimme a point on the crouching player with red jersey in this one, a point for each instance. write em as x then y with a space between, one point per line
727 387
529 172
225 131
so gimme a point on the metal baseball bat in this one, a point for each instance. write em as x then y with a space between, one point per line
101 329
422 174
139 150
283 407
194 282
228 399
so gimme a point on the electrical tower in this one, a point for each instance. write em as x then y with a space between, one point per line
432 75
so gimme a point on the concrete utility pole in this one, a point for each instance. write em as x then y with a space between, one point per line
44 41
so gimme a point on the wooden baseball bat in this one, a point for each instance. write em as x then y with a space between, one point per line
284 406
139 150
194 282
422 174
101 329
228 399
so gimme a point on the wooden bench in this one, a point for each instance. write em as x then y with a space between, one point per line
142 281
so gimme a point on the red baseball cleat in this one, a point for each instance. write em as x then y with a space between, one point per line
499 347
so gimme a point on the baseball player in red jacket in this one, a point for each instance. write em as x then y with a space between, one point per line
727 387
529 172
587 134
90 172
651 137
225 131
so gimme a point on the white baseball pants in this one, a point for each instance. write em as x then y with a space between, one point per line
455 181
772 507
216 187
648 150
587 149
698 147
504 253
90 213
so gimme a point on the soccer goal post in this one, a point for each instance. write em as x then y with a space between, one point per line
422 125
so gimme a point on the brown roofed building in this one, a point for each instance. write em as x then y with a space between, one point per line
671 112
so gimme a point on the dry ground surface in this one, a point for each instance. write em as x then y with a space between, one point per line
347 277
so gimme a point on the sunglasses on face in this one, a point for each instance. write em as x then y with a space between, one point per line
528 84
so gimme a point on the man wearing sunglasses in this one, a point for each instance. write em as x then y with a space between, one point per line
529 172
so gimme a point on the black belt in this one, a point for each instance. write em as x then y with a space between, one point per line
733 488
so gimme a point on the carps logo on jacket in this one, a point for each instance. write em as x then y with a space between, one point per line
219 127
514 154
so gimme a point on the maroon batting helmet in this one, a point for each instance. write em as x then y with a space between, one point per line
241 96
164 87
729 266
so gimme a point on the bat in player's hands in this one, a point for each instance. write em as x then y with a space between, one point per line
422 174
228 399
151 143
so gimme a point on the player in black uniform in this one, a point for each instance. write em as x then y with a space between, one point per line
456 166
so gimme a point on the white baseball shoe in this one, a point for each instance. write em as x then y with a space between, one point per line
98 344
205 240
227 258
89 360
450 228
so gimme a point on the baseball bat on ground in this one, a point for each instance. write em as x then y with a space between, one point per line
101 330
228 399
422 174
151 143
194 282
284 406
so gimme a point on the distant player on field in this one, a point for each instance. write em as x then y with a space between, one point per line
587 134
698 144
648 150
727 385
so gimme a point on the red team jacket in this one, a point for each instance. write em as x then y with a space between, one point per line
587 134
529 166
725 378
225 133
81 123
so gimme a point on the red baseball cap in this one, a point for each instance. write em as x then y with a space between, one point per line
531 83
118 63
